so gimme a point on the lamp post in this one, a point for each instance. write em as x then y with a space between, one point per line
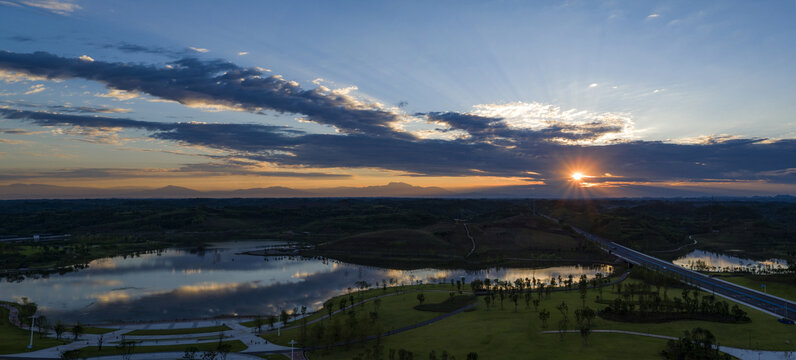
32 322
292 342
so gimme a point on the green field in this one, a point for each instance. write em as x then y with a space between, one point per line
505 334
199 330
275 357
15 340
364 295
394 312
91 351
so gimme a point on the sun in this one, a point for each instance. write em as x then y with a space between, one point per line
577 176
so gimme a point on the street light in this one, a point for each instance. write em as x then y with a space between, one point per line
292 342
32 322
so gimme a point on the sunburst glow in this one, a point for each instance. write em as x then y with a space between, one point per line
577 176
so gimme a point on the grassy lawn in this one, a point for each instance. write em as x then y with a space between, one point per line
775 284
275 357
505 334
15 340
364 295
91 351
198 330
394 312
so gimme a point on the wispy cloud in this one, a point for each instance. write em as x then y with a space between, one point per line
199 50
35 89
120 95
60 7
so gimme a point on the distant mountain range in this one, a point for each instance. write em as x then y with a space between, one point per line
39 191
393 189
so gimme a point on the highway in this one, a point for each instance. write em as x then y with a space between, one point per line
772 305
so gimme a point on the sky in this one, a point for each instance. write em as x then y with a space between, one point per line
639 98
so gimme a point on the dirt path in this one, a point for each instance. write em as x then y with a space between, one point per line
471 239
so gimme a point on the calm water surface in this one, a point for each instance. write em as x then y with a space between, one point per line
708 261
178 284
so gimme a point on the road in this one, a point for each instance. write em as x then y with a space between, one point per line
772 305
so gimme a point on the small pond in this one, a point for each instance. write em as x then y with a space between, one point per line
707 261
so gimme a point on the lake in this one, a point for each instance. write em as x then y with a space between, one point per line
184 284
708 261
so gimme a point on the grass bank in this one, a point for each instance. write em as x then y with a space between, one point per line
198 330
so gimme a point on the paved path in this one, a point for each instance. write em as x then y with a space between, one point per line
743 354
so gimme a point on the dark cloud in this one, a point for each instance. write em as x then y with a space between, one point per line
135 48
20 38
640 161
367 139
17 132
195 82
189 170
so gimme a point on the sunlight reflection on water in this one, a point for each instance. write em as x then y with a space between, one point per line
179 284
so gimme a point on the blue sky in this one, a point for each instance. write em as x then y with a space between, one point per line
633 93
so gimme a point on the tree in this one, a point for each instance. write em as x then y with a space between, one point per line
77 330
487 301
582 288
127 348
190 353
543 316
585 331
472 356
223 349
258 323
563 324
284 317
59 329
209 355
584 318
421 298
535 304
697 344
43 325
329 305
515 298
70 355
271 321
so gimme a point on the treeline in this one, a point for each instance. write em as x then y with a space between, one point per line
247 216
638 303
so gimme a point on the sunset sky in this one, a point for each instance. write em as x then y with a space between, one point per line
639 98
